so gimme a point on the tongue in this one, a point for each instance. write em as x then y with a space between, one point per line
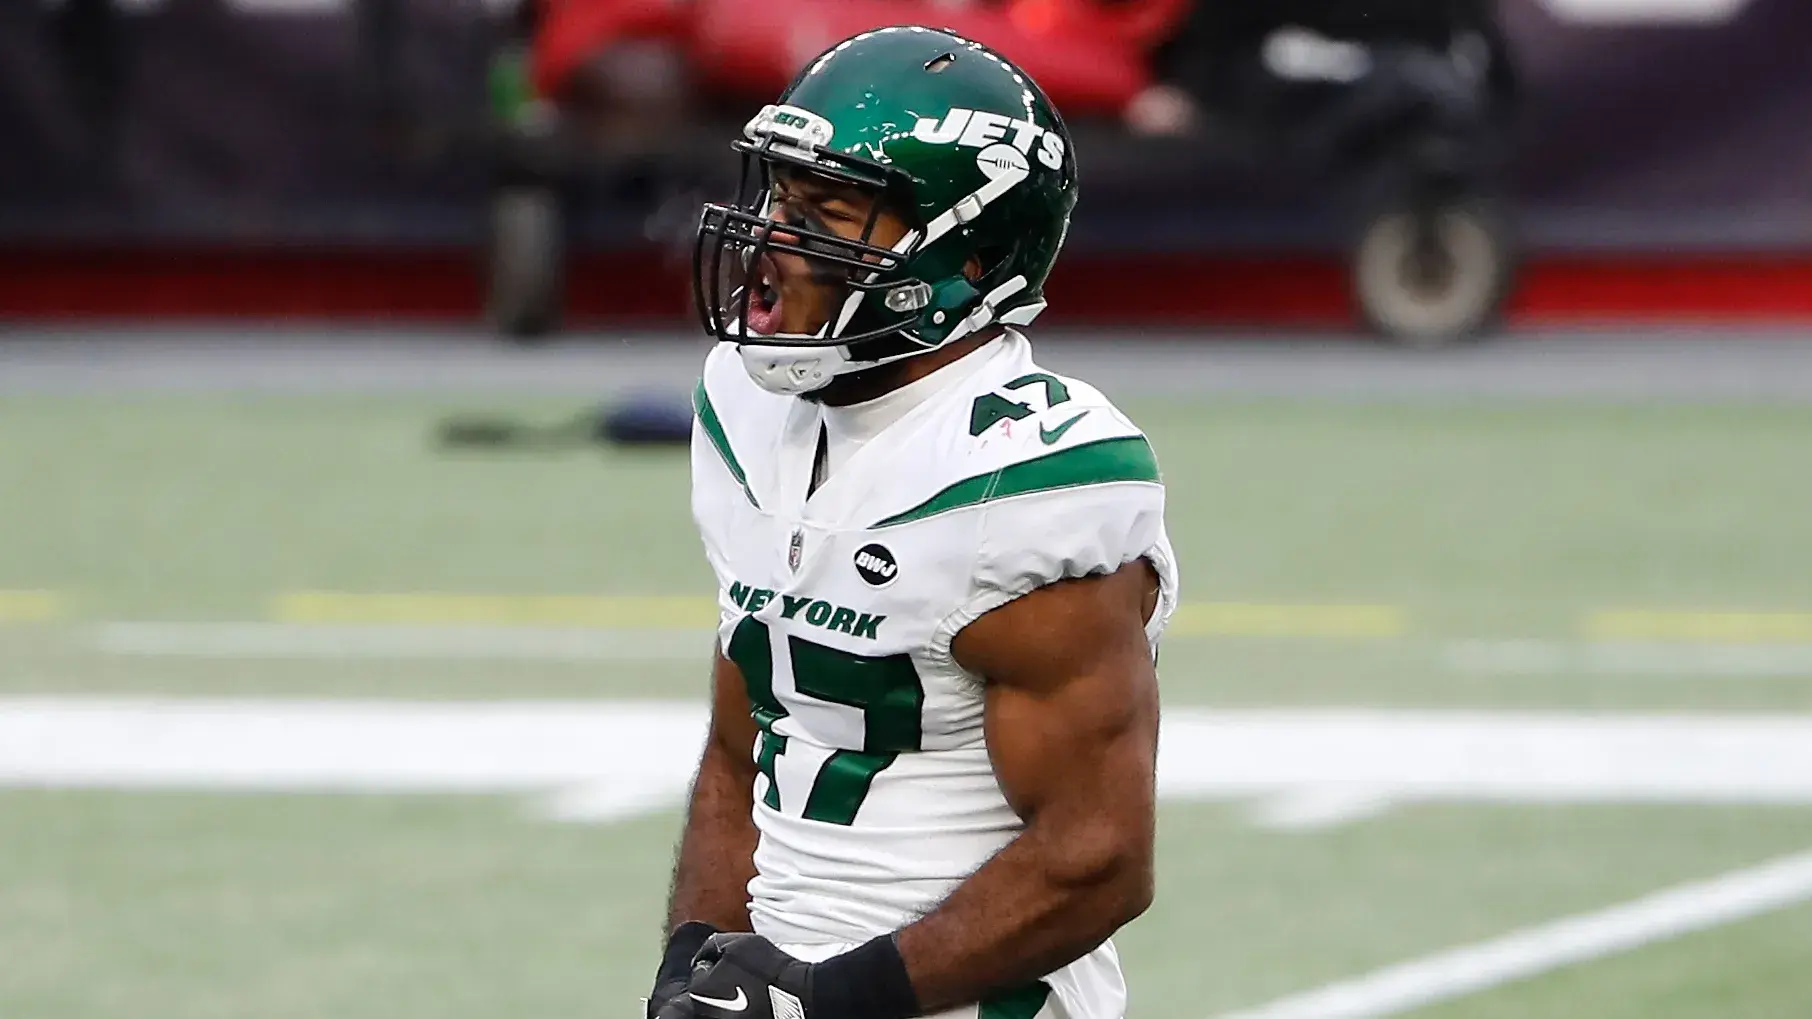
764 318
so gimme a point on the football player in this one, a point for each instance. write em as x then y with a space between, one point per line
942 571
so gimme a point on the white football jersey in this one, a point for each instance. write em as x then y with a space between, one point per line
876 796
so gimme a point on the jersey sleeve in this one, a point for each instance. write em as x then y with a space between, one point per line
1089 506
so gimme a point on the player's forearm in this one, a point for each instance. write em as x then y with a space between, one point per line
716 856
1050 897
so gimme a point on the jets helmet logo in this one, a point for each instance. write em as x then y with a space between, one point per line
876 565
979 129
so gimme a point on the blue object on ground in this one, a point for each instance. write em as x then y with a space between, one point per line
648 420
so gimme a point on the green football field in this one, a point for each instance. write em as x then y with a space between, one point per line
1493 710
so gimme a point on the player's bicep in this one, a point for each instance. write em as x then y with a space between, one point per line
1071 704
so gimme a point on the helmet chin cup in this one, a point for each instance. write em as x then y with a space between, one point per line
792 371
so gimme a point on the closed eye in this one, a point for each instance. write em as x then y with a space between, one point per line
826 203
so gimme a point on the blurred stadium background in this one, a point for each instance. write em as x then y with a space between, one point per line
352 628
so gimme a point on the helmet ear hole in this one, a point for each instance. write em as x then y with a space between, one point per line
988 263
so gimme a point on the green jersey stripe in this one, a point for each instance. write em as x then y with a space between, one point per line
714 430
1101 462
1019 1003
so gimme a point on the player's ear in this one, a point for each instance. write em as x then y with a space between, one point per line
972 269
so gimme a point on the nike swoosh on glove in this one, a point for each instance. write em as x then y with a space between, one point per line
746 976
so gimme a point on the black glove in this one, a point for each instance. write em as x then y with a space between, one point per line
745 976
676 965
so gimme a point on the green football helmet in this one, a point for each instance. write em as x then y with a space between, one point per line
941 128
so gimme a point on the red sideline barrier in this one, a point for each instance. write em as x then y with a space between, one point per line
631 289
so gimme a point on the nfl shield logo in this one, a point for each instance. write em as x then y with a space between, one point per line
794 550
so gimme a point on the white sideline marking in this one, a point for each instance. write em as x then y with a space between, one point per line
607 759
1469 969
313 640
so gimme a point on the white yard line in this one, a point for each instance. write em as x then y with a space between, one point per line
1307 769
313 641
1470 969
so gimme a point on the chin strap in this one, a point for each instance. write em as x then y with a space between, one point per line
987 312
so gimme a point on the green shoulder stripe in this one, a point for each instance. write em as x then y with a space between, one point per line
714 430
1101 462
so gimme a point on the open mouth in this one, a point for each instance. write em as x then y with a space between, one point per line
764 298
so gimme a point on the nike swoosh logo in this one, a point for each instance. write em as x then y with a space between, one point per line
1051 435
736 1004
